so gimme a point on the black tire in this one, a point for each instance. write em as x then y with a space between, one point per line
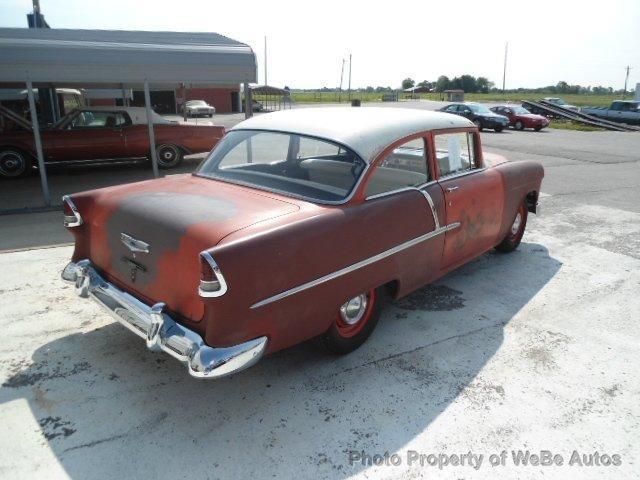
519 125
537 129
169 156
14 163
498 129
514 235
478 123
340 339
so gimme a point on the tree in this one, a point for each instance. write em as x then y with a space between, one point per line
468 84
483 84
408 83
426 84
443 83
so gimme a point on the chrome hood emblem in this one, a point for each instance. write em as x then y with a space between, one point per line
133 244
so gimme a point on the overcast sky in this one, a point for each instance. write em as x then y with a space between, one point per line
583 42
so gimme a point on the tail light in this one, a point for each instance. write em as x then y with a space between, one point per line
212 282
72 216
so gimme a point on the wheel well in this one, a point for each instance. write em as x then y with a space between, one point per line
532 201
391 288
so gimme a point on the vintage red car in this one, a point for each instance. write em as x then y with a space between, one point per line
521 118
100 134
298 225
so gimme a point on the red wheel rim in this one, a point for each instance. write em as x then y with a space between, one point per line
517 227
360 319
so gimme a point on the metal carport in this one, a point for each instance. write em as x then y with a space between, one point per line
119 59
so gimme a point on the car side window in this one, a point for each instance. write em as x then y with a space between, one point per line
405 166
455 153
452 108
95 119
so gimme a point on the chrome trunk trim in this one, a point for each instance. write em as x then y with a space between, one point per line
159 330
356 266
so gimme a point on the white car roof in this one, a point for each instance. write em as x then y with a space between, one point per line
365 130
138 114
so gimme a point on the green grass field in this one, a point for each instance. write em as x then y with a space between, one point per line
579 100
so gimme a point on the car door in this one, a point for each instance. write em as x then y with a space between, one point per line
91 135
405 176
473 196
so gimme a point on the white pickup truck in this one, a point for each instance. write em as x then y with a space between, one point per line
623 111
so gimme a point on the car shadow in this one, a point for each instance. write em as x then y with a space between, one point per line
108 407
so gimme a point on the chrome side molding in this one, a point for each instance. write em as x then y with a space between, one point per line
356 266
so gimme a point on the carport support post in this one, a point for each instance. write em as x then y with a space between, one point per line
37 140
152 138
248 105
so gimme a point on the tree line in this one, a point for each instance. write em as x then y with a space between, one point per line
471 84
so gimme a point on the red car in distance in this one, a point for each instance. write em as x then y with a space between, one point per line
521 118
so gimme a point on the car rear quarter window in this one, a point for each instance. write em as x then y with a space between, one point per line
455 153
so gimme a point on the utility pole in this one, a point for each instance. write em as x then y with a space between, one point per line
341 76
626 79
504 69
265 61
349 77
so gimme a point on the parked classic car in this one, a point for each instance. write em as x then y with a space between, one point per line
521 118
298 225
101 134
479 114
622 111
197 108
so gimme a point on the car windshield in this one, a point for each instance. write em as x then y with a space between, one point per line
520 110
478 108
292 164
557 101
196 102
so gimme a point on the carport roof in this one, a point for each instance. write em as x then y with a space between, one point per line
115 58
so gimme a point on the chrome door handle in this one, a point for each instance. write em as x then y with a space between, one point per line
451 189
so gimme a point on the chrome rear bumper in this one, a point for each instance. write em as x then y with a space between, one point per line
159 330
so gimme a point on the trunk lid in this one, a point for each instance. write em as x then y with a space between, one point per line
176 217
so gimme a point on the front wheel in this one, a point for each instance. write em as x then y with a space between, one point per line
169 156
354 322
498 129
478 124
14 163
519 125
515 233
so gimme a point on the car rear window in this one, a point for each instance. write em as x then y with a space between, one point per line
306 167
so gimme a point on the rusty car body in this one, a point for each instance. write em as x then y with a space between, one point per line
101 135
297 225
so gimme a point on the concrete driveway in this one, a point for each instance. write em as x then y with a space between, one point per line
532 351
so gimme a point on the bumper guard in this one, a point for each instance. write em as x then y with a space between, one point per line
159 330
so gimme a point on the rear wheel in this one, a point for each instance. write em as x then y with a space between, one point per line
515 233
499 128
354 322
169 156
14 163
519 125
